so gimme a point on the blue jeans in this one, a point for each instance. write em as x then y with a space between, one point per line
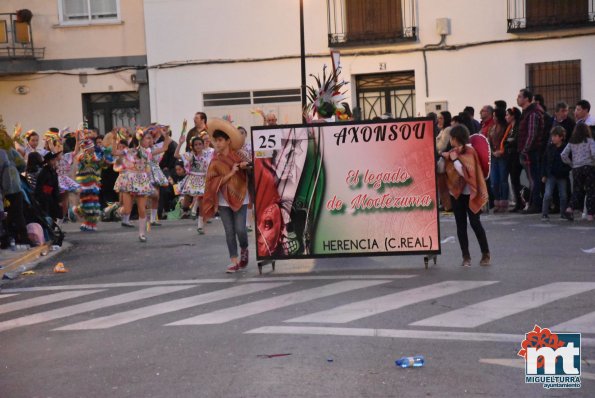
550 184
234 223
499 178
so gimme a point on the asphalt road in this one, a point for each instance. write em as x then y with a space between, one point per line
164 320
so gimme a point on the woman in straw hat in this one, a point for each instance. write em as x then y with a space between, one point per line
226 189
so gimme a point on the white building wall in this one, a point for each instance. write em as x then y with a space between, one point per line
267 29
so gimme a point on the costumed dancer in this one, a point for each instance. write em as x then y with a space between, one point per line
67 185
158 178
31 145
226 189
468 191
135 180
90 163
193 185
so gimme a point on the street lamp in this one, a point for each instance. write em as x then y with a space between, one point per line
303 59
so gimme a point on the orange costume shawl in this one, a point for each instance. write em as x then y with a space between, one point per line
234 190
473 177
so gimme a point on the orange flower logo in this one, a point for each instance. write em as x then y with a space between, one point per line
538 338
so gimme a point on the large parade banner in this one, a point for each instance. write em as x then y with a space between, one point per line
344 189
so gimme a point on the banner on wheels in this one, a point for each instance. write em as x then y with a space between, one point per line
344 189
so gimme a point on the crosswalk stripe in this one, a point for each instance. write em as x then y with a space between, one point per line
491 310
7 295
582 324
170 306
399 333
42 300
327 277
202 281
114 285
260 306
89 306
377 305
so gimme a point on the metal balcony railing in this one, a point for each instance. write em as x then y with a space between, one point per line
365 22
534 15
16 39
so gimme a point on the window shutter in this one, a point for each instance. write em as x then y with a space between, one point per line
104 9
74 10
373 19
543 12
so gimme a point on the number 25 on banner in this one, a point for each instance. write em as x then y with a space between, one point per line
265 140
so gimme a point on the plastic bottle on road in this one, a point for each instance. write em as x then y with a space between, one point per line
411 362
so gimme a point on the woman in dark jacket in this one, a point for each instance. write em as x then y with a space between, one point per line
509 145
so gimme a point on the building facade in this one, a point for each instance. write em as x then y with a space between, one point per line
403 57
75 59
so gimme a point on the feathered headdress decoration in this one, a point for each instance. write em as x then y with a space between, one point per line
325 96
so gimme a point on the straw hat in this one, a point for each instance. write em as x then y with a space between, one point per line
237 139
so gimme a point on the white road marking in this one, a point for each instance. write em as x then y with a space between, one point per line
42 300
377 305
520 364
399 333
326 277
7 295
202 281
89 306
582 324
491 310
113 285
170 306
269 304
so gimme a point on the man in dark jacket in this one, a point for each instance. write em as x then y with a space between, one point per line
529 146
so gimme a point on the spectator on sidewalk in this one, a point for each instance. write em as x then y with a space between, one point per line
561 119
476 126
499 168
555 173
200 126
33 168
529 146
580 154
10 166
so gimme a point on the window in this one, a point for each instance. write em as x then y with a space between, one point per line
357 22
556 81
252 97
88 11
549 14
386 93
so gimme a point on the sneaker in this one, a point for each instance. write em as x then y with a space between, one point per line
545 218
466 261
200 231
142 238
232 268
485 259
155 224
243 258
127 225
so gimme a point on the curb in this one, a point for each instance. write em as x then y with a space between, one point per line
31 259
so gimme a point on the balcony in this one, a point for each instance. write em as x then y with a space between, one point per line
541 15
370 22
16 39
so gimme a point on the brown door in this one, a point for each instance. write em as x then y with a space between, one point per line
373 19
